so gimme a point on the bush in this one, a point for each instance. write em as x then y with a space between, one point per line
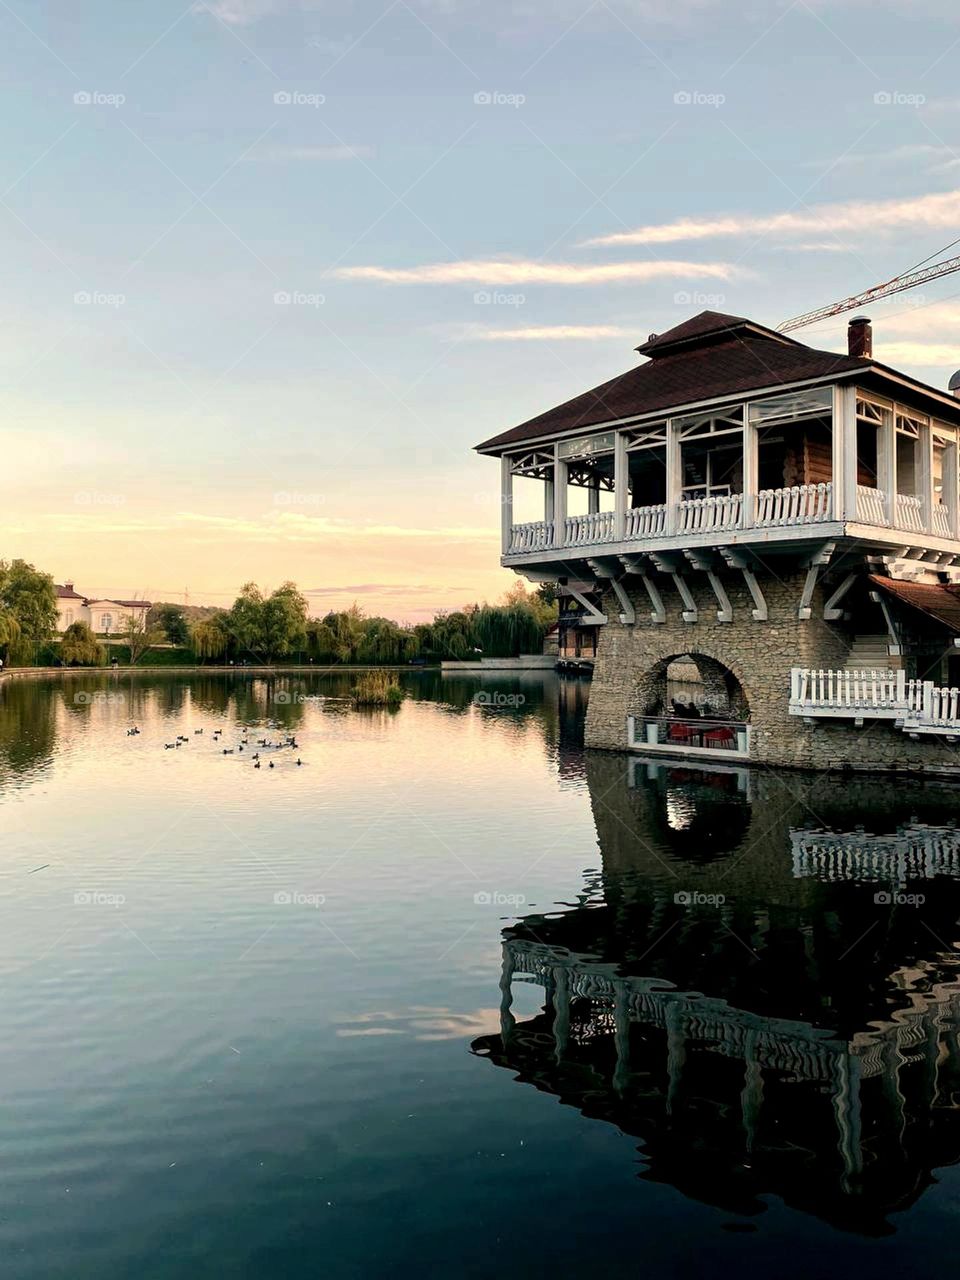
377 689
79 647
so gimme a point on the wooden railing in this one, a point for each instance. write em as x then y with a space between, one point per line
871 505
909 513
801 504
536 536
583 531
918 706
942 523
645 522
702 515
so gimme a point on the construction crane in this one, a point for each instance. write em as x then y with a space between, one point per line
898 284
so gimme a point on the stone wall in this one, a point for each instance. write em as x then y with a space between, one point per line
631 662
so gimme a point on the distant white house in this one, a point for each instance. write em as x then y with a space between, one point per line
108 617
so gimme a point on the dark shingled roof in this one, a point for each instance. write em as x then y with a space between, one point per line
940 601
711 355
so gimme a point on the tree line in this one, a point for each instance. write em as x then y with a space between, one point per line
275 627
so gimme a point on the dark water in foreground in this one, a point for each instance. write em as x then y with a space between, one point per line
453 997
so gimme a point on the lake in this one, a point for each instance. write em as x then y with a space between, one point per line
453 996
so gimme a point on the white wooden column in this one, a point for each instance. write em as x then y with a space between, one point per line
621 485
751 469
844 458
887 464
674 476
593 499
925 474
951 487
548 498
506 502
559 498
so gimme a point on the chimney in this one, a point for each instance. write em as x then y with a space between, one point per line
68 584
860 337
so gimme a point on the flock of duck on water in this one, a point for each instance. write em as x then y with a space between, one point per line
287 743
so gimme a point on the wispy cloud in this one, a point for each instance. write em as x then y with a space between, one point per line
551 333
506 272
929 211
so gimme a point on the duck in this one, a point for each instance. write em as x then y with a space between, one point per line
299 761
240 748
198 731
271 764
256 764
168 746
228 751
256 756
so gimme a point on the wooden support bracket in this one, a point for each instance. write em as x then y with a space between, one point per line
830 611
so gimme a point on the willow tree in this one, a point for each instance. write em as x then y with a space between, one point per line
79 647
208 639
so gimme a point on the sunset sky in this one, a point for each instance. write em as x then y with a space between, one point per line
273 267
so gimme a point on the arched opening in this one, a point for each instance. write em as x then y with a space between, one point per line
690 703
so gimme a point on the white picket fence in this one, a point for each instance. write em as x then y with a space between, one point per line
918 706
583 531
535 536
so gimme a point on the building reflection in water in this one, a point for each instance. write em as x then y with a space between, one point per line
753 988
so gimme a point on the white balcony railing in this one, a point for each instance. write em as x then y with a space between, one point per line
871 505
917 706
909 513
800 504
646 522
702 515
803 504
584 531
942 524
536 536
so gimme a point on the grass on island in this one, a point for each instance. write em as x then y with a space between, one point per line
377 689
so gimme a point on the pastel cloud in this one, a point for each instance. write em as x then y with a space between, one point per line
552 333
930 212
508 272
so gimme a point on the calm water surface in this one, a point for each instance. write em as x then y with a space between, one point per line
454 997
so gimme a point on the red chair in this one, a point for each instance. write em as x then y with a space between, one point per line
720 737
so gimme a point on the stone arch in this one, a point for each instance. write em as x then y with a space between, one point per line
724 691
